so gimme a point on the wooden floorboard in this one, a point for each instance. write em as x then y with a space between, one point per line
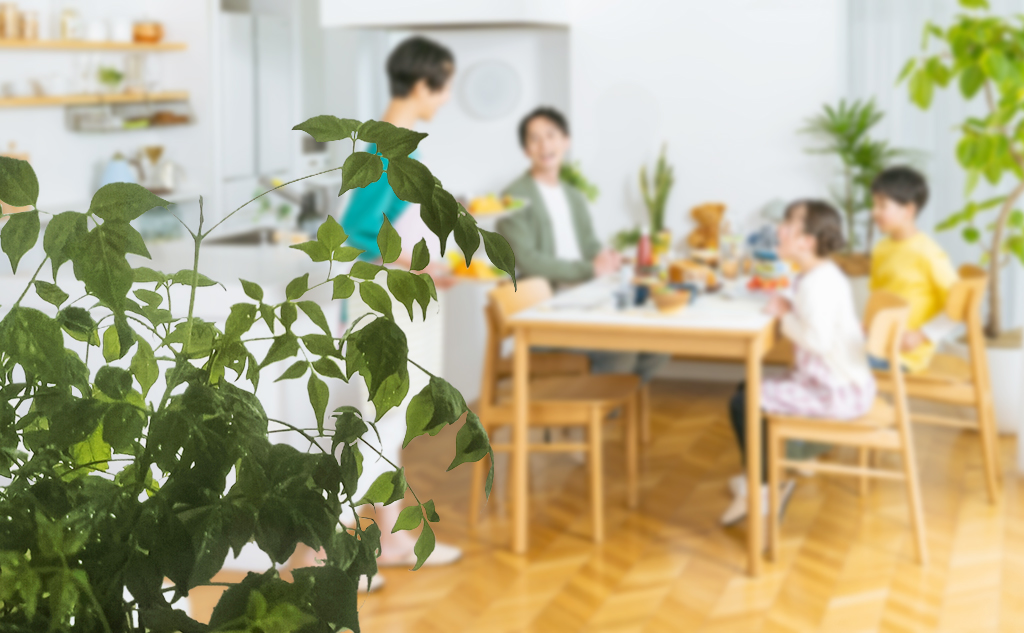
846 563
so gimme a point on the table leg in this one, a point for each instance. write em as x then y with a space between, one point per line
755 521
519 467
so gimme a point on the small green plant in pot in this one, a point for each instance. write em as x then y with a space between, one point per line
655 190
845 130
172 409
983 54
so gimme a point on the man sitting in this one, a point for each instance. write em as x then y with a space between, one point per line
553 236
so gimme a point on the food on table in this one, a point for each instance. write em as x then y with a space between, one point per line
708 220
478 269
685 270
491 203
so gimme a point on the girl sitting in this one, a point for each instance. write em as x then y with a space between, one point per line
831 378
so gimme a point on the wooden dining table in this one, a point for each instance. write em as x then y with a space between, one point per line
726 326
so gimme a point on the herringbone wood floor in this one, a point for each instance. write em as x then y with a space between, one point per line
846 563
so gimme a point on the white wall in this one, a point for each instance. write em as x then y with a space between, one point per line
443 12
68 164
725 83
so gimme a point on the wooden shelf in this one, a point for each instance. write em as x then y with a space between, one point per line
78 45
94 99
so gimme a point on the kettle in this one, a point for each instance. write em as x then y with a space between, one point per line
119 169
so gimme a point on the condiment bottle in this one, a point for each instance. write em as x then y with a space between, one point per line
644 252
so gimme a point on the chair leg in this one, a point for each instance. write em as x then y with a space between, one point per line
596 473
631 432
645 414
863 453
476 491
989 447
774 457
916 505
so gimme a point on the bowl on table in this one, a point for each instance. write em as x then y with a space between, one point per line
669 299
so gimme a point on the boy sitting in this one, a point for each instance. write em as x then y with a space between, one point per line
909 264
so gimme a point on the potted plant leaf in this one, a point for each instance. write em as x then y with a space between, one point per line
133 448
655 190
845 130
982 54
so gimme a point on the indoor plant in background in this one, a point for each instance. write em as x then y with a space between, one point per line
845 130
983 54
197 473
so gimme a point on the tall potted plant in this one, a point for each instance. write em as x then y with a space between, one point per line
170 408
845 131
655 190
983 54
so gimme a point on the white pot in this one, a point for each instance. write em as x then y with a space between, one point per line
1006 371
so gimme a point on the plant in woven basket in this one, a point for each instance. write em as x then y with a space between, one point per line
158 460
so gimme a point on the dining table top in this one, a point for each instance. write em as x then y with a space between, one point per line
733 308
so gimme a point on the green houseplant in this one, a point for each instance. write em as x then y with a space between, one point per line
654 190
199 473
983 54
845 130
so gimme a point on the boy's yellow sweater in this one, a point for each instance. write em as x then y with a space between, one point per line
919 271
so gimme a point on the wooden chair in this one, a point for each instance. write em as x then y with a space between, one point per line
886 427
953 380
556 400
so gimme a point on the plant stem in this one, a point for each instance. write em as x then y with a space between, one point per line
225 218
198 239
30 282
994 327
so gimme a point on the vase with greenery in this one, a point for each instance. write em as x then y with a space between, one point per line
983 54
654 190
845 131
160 461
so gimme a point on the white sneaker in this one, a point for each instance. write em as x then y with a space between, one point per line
737 510
442 555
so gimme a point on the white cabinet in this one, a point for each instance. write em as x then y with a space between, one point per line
237 86
274 90
257 86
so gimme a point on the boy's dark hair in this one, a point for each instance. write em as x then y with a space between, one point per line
543 112
823 222
419 58
902 184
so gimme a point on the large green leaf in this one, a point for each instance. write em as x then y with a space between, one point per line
318 396
124 201
326 128
19 235
420 255
410 180
408 288
389 242
144 367
467 236
383 351
50 293
392 141
18 184
330 234
34 341
386 489
100 263
500 253
424 546
315 314
65 232
440 214
297 287
376 298
921 88
436 406
114 382
343 287
317 252
360 169
471 444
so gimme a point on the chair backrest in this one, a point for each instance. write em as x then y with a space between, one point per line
963 303
502 303
889 314
507 300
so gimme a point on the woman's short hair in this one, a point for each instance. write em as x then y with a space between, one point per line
418 58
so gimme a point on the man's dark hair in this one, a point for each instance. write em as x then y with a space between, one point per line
822 222
902 184
419 58
543 112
